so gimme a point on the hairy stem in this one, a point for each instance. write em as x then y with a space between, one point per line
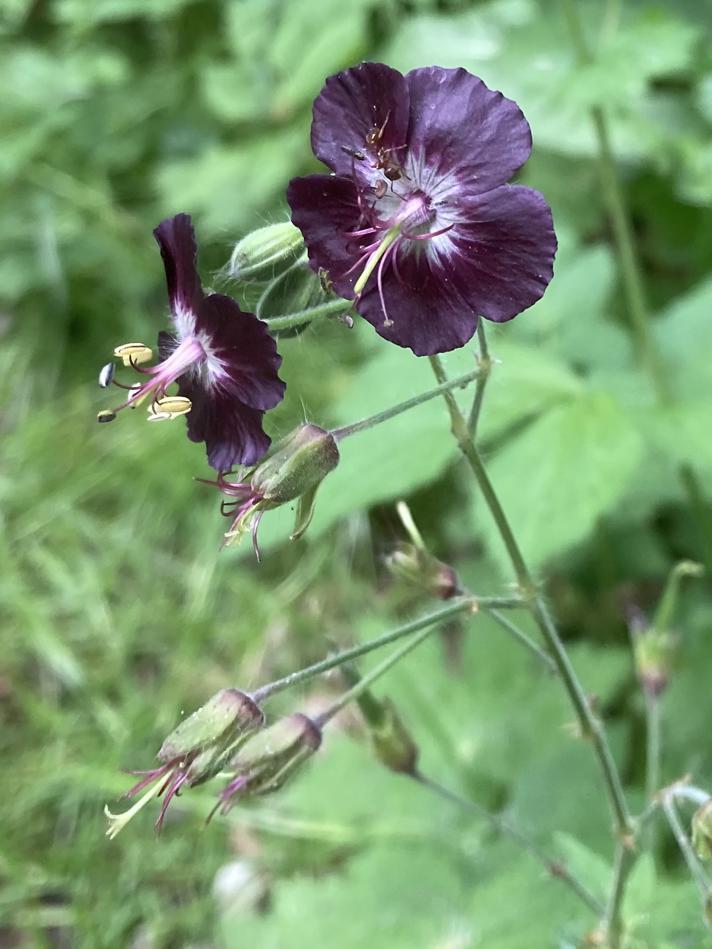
555 867
522 638
589 725
620 223
300 317
485 364
652 744
394 410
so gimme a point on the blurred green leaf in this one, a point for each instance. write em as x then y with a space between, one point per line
558 477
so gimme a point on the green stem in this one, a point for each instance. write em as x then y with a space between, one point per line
423 622
652 744
485 364
694 864
394 410
299 317
624 862
364 684
589 725
622 232
556 869
522 638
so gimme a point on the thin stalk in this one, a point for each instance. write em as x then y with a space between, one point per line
622 232
299 317
589 725
521 637
623 863
363 685
652 744
423 622
394 410
554 867
693 862
485 364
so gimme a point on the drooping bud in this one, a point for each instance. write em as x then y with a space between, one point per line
229 715
259 253
702 830
195 751
298 464
390 740
416 566
293 470
264 762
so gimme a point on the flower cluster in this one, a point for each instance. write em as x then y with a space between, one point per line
416 223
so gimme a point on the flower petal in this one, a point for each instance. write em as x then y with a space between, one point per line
325 208
176 238
503 257
426 310
246 354
461 132
371 95
232 431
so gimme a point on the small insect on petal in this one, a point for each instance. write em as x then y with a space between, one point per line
106 376
133 353
106 415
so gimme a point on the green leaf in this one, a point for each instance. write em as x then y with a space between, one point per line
560 475
684 334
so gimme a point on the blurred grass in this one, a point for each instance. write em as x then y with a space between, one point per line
117 611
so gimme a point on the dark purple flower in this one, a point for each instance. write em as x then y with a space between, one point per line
416 224
223 359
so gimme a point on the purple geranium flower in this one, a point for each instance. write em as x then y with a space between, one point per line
223 359
416 223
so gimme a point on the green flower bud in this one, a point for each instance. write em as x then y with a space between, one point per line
228 715
416 566
270 757
298 464
391 741
259 253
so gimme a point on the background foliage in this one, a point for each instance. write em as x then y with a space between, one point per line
118 613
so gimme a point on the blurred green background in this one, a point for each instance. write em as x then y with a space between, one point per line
118 611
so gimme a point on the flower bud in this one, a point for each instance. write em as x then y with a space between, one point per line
268 758
416 566
702 831
225 717
257 255
654 655
298 464
391 741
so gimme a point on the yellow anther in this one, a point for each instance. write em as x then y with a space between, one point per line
135 353
106 415
170 406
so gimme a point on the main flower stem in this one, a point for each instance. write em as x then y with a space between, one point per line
620 224
394 410
589 725
556 868
300 317
485 364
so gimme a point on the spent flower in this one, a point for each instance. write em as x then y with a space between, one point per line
416 223
194 752
223 360
293 470
269 758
